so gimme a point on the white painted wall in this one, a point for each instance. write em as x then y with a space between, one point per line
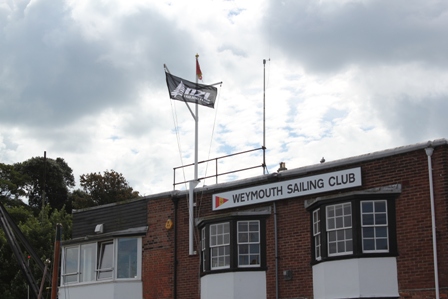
103 290
355 278
234 285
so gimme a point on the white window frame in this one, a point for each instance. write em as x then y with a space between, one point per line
340 227
87 262
64 265
130 261
103 260
96 257
317 235
203 248
250 243
374 222
219 245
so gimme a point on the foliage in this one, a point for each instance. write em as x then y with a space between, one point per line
55 175
40 233
28 180
81 199
12 182
100 189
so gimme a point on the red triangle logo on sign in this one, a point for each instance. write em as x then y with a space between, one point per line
220 201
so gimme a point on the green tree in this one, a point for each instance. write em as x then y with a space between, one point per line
12 182
103 188
54 177
40 232
81 199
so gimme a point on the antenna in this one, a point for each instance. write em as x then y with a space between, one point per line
264 116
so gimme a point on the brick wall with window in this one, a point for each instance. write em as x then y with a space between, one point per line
400 226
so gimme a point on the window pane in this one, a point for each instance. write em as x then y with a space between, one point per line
347 209
380 219
330 223
381 232
330 211
87 264
348 234
249 246
243 249
368 244
226 239
254 248
127 258
367 219
254 237
316 233
203 239
380 206
381 244
338 209
243 260
340 234
374 225
71 265
219 245
349 245
254 226
242 226
243 237
332 236
105 260
339 222
254 260
347 221
367 207
226 261
341 246
368 232
71 260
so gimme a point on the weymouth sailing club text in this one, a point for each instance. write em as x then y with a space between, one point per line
292 188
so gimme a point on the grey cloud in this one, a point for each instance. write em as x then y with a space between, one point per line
413 120
326 36
51 74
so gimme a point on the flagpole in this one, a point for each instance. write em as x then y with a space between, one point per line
195 182
188 93
196 129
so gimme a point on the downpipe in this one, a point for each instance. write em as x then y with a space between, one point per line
429 150
276 251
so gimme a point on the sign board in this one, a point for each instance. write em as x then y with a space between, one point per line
292 188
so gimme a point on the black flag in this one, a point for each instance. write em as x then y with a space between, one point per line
186 91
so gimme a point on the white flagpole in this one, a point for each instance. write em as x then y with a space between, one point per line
195 182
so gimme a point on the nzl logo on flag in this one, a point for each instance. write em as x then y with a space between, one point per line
337 180
186 91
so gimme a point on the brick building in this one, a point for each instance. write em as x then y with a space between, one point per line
360 227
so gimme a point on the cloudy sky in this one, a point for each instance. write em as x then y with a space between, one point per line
84 80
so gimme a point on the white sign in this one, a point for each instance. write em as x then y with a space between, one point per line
293 188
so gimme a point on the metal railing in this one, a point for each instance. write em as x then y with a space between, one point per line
217 174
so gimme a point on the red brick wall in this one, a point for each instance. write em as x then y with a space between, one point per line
414 235
158 255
